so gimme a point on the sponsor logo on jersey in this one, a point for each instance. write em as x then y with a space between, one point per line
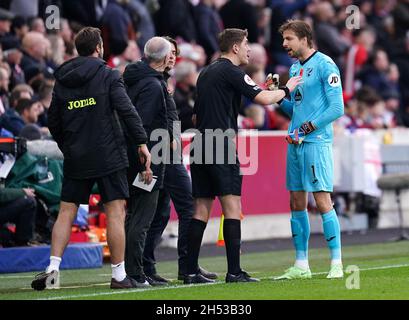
76 104
334 80
298 95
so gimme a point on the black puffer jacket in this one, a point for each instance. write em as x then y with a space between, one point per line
147 89
89 100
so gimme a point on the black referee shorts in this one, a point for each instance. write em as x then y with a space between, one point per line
111 187
211 180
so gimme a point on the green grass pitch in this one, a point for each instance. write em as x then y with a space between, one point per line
383 274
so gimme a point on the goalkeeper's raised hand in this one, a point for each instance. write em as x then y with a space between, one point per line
272 81
297 136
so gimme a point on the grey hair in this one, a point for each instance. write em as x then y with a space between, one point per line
156 49
183 69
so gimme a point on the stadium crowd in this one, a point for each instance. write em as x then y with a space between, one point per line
373 58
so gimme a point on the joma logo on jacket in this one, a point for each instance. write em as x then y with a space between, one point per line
81 103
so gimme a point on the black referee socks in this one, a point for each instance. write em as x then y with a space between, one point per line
232 240
194 241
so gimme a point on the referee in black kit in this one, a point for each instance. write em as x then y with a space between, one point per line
219 90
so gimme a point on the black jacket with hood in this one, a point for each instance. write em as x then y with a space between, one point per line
88 106
147 89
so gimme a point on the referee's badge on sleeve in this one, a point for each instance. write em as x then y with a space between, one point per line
248 80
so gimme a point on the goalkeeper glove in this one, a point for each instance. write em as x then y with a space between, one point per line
272 82
297 136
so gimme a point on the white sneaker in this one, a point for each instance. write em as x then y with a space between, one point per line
335 272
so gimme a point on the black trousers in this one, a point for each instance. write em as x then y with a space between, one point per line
22 213
141 210
178 187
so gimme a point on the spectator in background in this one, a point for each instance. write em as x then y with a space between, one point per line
208 26
24 8
356 115
44 95
145 28
13 58
117 28
57 49
83 12
242 15
370 110
401 18
257 113
130 54
34 53
19 27
37 25
175 19
281 11
375 75
14 120
329 40
19 206
402 61
28 110
393 98
356 58
7 39
65 31
193 53
186 78
258 56
70 51
263 21
4 90
20 91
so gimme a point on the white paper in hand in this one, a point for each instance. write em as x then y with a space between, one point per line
139 183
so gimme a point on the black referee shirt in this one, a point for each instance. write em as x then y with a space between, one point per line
219 89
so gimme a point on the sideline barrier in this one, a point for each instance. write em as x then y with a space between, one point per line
26 259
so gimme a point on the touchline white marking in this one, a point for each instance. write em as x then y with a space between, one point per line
77 287
125 291
184 286
15 277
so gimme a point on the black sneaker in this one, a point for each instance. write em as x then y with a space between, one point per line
242 276
207 274
196 278
157 280
203 272
127 283
140 281
49 280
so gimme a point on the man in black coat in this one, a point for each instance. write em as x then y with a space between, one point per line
177 187
88 100
147 89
